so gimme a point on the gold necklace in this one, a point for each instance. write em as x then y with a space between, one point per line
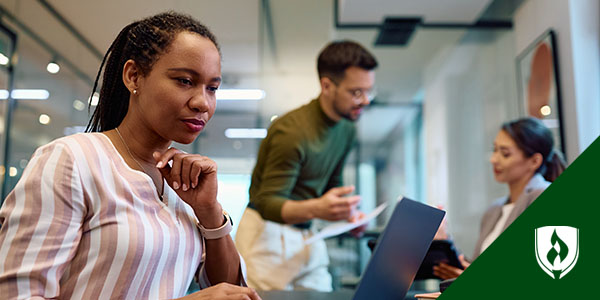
160 194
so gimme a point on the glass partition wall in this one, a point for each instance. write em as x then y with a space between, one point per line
7 46
45 104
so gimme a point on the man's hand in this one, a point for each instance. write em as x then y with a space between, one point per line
334 205
358 231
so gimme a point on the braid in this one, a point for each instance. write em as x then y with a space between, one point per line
110 84
144 42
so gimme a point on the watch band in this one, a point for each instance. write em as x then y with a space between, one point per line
219 232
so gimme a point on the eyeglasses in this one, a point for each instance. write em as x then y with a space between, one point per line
358 93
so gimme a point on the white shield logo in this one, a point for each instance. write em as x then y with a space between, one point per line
557 249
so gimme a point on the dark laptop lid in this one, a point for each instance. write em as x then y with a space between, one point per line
399 251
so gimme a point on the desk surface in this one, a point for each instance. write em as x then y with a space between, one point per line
306 295
312 295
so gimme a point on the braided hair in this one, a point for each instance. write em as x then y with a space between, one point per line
144 42
531 136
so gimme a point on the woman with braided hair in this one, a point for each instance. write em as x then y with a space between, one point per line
116 213
524 158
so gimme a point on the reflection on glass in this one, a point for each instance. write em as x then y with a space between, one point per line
6 46
46 107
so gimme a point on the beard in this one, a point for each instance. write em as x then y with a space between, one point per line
344 114
341 111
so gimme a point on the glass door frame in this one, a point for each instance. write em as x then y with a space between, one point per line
10 106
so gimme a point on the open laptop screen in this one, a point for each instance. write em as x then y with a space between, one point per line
399 252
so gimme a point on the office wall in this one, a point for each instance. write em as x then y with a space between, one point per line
577 28
470 90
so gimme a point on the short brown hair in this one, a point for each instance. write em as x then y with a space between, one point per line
338 56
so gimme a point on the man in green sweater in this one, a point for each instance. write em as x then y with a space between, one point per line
298 176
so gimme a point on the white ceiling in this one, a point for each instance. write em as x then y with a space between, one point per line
288 75
234 22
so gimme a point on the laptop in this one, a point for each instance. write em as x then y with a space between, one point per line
399 251
396 258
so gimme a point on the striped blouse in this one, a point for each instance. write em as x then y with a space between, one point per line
81 224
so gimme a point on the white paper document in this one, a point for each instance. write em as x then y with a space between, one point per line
341 227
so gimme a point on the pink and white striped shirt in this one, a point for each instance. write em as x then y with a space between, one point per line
81 224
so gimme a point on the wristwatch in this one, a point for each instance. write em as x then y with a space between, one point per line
219 232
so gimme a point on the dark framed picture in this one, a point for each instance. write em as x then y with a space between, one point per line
539 86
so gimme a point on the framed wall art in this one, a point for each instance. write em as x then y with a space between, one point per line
539 85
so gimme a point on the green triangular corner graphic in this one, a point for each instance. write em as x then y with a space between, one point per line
508 269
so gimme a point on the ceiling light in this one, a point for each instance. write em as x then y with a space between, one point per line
246 133
53 67
240 94
30 94
545 110
78 105
26 94
44 119
3 59
12 172
94 100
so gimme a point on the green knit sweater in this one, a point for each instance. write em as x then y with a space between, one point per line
301 158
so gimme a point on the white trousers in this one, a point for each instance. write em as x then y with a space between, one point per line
277 258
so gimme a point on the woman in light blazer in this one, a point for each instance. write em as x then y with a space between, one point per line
524 158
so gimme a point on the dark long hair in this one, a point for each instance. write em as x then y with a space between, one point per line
144 42
531 136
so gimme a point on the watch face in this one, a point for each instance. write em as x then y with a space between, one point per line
227 216
216 233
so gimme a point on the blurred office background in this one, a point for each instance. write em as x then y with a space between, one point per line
444 86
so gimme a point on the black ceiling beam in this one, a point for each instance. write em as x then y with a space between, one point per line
397 31
482 24
477 25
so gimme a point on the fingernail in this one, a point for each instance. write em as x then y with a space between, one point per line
159 164
184 187
175 185
194 185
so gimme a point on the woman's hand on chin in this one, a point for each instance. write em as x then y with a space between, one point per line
224 291
194 178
